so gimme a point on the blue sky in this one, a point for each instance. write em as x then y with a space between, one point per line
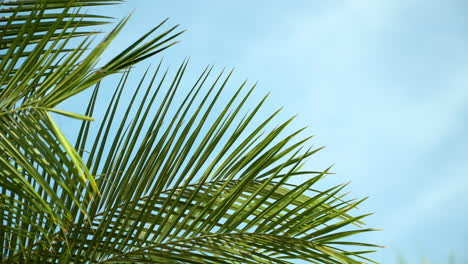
382 84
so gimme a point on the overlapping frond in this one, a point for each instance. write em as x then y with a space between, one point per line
182 183
40 67
175 176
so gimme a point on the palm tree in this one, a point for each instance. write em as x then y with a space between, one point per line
168 181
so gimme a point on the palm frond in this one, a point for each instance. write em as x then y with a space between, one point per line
183 183
180 177
41 67
29 21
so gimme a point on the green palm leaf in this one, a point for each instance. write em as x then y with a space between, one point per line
167 196
181 176
40 68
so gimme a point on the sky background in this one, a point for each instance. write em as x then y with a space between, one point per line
382 84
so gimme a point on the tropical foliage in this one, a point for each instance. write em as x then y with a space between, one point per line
174 175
